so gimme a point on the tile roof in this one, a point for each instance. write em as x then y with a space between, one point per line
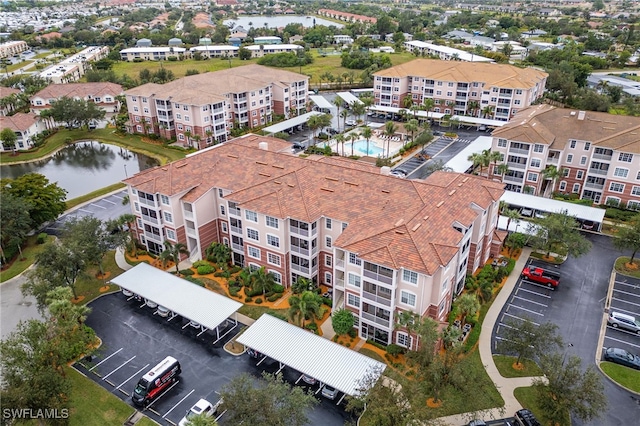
18 122
500 75
413 219
556 126
8 91
80 90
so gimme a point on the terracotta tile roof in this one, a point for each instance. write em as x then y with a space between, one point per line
18 122
80 90
391 221
553 126
500 75
8 91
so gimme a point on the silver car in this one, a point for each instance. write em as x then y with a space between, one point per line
624 322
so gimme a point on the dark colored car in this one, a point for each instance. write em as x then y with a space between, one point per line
297 146
622 357
526 418
253 353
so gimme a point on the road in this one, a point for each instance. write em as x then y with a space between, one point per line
14 307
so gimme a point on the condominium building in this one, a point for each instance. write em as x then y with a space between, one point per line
74 67
25 126
384 244
200 110
11 48
444 53
597 154
494 91
103 94
152 53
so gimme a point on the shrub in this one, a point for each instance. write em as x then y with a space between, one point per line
226 274
231 283
335 338
377 345
353 333
194 280
311 326
278 288
393 349
388 357
253 292
274 297
233 291
205 269
199 263
186 272
348 345
327 301
248 299
277 315
217 274
269 294
141 252
258 300
42 238
235 269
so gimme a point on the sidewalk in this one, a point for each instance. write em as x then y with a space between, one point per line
505 386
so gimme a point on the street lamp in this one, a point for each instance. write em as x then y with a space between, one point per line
125 171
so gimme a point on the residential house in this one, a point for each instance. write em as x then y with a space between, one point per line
6 105
25 126
152 53
103 94
384 244
348 17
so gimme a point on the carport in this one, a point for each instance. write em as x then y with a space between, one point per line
420 114
477 121
328 362
181 297
460 162
548 205
321 103
290 123
349 98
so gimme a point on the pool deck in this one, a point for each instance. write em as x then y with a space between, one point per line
374 141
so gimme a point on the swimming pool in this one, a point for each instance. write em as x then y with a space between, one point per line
361 148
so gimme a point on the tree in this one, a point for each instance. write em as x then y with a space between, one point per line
344 114
569 389
467 304
202 419
493 157
274 402
46 200
358 110
14 223
342 321
515 241
366 133
427 105
559 231
628 237
172 253
511 214
263 280
389 131
552 173
337 101
353 137
479 159
8 138
340 140
412 127
305 306
89 237
409 320
218 253
527 340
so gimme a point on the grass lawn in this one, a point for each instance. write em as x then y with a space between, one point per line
527 398
627 377
621 267
505 367
20 64
29 252
89 285
372 354
93 405
256 312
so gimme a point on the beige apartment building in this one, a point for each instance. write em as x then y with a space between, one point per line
384 244
598 154
494 91
103 94
200 110
11 48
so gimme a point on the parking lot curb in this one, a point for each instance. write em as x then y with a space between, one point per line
614 382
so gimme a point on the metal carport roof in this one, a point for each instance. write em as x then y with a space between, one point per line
321 102
460 162
396 110
320 358
292 122
479 121
179 296
349 98
553 206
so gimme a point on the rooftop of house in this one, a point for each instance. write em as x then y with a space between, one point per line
413 219
553 126
79 90
18 122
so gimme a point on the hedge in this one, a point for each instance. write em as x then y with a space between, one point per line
205 269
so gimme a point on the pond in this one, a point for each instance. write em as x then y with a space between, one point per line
278 21
84 167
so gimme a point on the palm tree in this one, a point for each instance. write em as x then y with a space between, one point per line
129 219
408 320
358 110
314 124
473 107
479 159
428 104
340 139
552 173
487 111
366 133
407 102
511 214
353 137
367 101
171 253
389 130
412 126
263 280
344 115
305 306
218 253
502 169
494 157
337 101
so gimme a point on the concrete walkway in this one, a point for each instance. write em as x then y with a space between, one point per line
505 385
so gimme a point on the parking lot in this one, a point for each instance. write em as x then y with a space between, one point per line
625 299
134 340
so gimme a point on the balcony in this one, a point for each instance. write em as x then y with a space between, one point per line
513 179
296 230
237 247
553 160
188 214
152 236
376 298
602 172
234 211
513 165
382 321
236 229
191 232
299 268
150 219
147 202
605 157
519 151
593 185
300 250
378 277
340 263
339 283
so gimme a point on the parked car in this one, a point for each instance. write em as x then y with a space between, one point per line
350 122
127 292
624 322
526 418
526 212
163 312
151 303
201 407
297 146
308 379
477 423
194 324
329 392
588 225
332 131
253 353
622 357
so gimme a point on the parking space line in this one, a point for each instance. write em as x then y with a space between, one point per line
530 301
95 366
178 403
624 311
625 301
108 201
534 292
528 310
627 284
621 341
521 319
626 292
83 210
119 367
97 205
132 376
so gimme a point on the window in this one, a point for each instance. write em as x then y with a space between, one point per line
136 206
633 205
563 185
179 116
409 276
272 222
344 226
253 234
273 259
223 212
327 278
185 107
572 144
140 223
502 143
620 172
635 190
533 177
224 227
272 240
327 223
616 187
407 298
402 339
354 280
171 234
538 148
612 201
354 260
579 174
576 188
535 162
569 158
164 199
328 261
587 146
168 217
583 160
252 216
328 242
627 158
353 300
565 172
253 252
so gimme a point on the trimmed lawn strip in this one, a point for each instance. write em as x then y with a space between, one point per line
625 376
29 252
95 194
146 421
256 312
505 367
89 285
93 405
622 269
373 355
527 398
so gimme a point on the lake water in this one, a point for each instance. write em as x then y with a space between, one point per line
258 21
84 167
